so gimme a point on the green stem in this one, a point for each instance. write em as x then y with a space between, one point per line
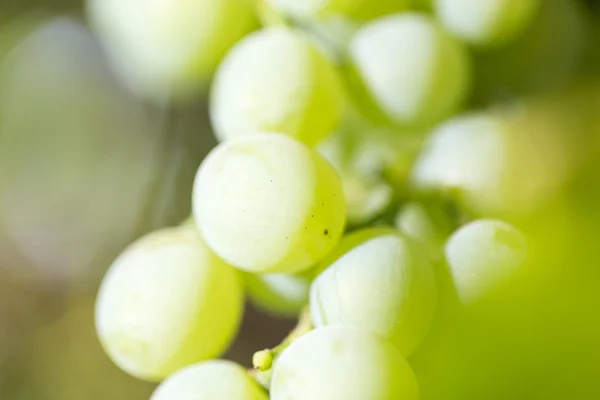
264 360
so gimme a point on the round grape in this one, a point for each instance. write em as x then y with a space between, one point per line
169 49
342 363
274 80
167 302
382 281
267 203
482 256
414 72
210 380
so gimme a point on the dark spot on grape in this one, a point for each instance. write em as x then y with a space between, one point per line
326 232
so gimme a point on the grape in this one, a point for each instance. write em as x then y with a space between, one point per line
414 72
279 294
169 49
342 363
210 380
267 203
167 302
274 80
355 9
488 23
483 255
469 157
382 281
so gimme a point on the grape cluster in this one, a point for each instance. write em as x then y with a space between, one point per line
363 165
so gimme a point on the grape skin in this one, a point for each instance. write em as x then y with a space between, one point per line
167 302
414 72
470 158
169 49
490 23
382 281
482 256
210 380
275 80
266 203
342 363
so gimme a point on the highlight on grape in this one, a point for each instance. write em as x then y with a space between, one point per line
416 183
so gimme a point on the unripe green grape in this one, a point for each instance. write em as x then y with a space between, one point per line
342 363
267 203
210 380
354 9
383 282
279 294
275 80
412 70
482 256
169 49
468 157
167 302
488 23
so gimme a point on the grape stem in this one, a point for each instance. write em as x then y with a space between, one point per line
264 360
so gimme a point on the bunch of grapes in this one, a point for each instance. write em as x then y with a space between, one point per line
372 171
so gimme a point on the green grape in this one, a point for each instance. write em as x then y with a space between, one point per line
482 256
486 23
169 49
267 203
210 380
468 157
354 9
381 281
275 80
167 302
279 294
342 363
413 71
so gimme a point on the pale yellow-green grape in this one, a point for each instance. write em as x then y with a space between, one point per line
210 380
482 256
429 224
169 49
354 9
342 363
384 282
167 302
414 72
275 80
486 23
469 158
267 203
278 294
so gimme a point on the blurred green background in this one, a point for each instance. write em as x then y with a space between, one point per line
85 168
